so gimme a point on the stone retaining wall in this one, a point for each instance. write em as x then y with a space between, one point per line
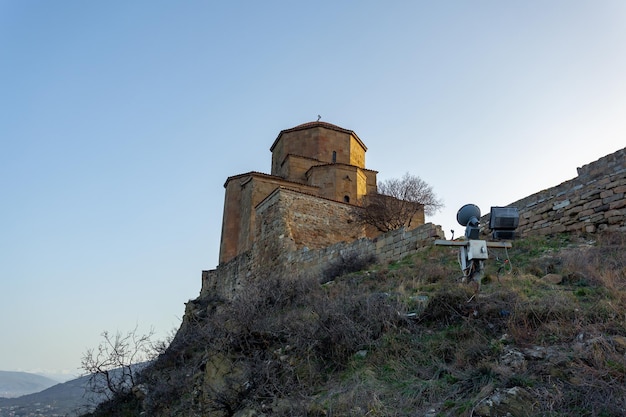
390 246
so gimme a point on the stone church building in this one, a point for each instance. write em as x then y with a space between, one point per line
300 218
318 177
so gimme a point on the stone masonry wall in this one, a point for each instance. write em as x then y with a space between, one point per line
592 202
318 222
393 245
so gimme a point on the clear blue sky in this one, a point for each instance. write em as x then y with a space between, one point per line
121 120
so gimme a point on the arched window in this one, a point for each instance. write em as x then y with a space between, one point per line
346 198
334 157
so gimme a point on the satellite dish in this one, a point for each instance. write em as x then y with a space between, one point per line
469 213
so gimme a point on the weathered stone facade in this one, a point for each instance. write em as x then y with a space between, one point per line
243 193
592 202
301 233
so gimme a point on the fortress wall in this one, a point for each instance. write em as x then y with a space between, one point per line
228 277
393 245
609 164
592 202
399 243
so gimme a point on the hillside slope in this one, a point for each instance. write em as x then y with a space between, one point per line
62 399
544 336
14 384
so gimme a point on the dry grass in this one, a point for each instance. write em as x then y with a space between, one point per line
407 337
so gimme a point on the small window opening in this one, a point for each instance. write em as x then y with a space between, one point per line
334 157
346 199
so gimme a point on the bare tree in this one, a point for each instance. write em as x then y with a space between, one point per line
397 202
114 365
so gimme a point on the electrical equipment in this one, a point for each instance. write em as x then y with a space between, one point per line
469 216
503 222
473 251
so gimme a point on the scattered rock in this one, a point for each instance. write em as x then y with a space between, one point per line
431 413
535 352
513 359
514 402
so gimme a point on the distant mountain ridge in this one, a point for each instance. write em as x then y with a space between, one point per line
16 384
71 398
66 399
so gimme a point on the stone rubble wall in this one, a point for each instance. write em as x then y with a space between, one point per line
393 245
594 201
390 246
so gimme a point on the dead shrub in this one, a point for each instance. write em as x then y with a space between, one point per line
447 306
347 263
603 264
589 393
351 322
546 318
612 238
283 332
431 273
547 264
357 398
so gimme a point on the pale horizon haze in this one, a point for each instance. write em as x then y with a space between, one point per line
121 120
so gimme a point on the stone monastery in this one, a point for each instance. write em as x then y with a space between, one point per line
320 164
